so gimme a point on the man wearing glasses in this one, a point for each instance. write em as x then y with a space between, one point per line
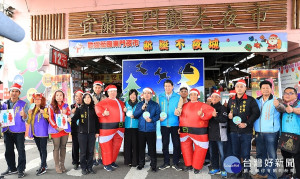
290 124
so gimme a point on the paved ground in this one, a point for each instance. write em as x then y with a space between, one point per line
33 162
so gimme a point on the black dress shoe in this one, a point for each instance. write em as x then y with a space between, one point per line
196 171
153 169
140 167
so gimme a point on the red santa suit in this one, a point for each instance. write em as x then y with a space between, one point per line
111 128
193 133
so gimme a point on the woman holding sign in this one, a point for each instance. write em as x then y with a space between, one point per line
131 154
38 120
59 128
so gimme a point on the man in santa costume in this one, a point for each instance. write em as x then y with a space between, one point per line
193 123
15 135
111 118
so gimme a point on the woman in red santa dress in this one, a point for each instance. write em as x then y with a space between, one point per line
111 118
193 123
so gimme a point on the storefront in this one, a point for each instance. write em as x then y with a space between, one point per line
97 38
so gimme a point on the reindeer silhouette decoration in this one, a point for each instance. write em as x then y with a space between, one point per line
161 75
141 69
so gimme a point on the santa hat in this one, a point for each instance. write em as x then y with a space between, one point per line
194 90
98 83
149 90
110 88
78 91
274 35
241 82
209 97
232 92
217 92
37 95
15 86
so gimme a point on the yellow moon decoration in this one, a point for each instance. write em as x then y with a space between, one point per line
193 78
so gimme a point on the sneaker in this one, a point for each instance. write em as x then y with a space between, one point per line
196 171
95 163
140 167
214 171
177 167
108 168
84 172
114 165
224 174
21 174
91 171
100 161
9 172
188 168
164 166
41 171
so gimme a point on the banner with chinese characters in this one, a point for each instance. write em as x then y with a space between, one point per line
258 76
180 43
290 76
109 78
183 19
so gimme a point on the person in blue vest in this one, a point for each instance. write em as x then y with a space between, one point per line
131 154
168 102
147 112
290 124
267 128
15 135
38 121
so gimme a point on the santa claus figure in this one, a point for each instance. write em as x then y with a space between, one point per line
193 123
274 43
111 118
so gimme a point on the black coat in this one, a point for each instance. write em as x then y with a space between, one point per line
88 120
247 109
217 127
